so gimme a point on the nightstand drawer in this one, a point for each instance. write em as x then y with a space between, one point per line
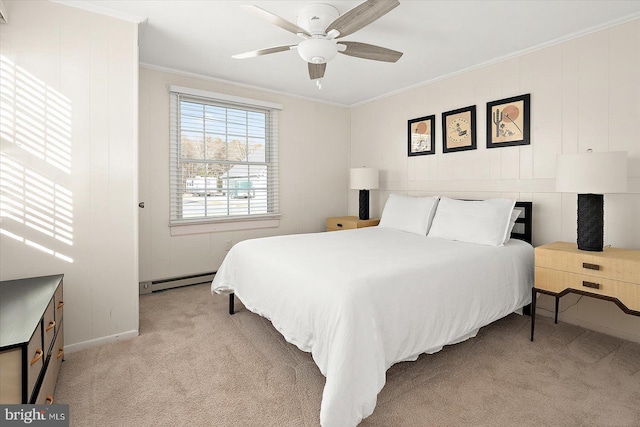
557 281
349 222
341 223
612 263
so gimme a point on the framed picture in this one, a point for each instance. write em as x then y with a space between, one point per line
421 136
459 130
509 122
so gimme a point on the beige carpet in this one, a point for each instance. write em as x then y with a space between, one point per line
194 365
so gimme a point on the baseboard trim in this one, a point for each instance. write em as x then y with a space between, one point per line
175 282
563 317
72 348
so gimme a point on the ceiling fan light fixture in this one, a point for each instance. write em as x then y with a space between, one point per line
317 51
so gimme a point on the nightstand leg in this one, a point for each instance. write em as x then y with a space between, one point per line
534 294
557 305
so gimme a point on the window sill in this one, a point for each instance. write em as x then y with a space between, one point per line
222 226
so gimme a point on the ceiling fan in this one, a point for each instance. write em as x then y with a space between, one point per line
321 25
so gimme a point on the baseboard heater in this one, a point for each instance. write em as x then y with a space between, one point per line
175 282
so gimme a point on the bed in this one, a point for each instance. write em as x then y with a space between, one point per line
362 300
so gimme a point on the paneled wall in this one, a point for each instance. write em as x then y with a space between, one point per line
585 93
314 148
68 162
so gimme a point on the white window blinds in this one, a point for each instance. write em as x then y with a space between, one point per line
224 158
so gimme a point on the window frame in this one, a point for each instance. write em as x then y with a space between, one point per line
180 225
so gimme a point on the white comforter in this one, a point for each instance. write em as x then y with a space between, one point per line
362 300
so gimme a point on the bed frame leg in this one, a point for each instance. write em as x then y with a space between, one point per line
231 301
534 296
526 310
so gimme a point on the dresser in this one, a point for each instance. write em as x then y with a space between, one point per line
349 222
31 339
612 275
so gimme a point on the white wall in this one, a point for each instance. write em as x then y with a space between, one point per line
69 162
585 93
314 148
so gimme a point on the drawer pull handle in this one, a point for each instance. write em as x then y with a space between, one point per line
37 357
590 266
339 225
591 285
48 400
52 325
60 304
60 353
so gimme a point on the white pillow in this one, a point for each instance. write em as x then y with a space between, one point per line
512 222
484 222
412 214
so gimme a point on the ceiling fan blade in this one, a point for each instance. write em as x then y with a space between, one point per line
261 52
369 51
316 71
275 20
361 16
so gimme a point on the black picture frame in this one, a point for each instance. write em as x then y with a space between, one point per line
421 136
513 130
459 129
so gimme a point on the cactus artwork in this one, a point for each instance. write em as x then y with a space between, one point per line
501 118
509 121
497 118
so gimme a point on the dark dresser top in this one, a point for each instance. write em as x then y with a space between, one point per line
22 304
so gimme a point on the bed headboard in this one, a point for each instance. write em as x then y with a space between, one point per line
522 228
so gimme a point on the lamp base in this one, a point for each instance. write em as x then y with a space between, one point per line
591 222
364 204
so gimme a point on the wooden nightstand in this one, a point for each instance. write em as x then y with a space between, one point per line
349 222
612 275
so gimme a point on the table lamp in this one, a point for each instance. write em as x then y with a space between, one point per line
591 175
364 179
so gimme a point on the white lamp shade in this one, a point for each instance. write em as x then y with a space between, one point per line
363 178
592 173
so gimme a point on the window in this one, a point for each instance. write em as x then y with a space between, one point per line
224 158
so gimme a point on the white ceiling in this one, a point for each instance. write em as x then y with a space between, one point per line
438 38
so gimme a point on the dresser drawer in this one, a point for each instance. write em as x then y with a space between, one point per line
35 359
49 325
557 281
58 304
45 396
